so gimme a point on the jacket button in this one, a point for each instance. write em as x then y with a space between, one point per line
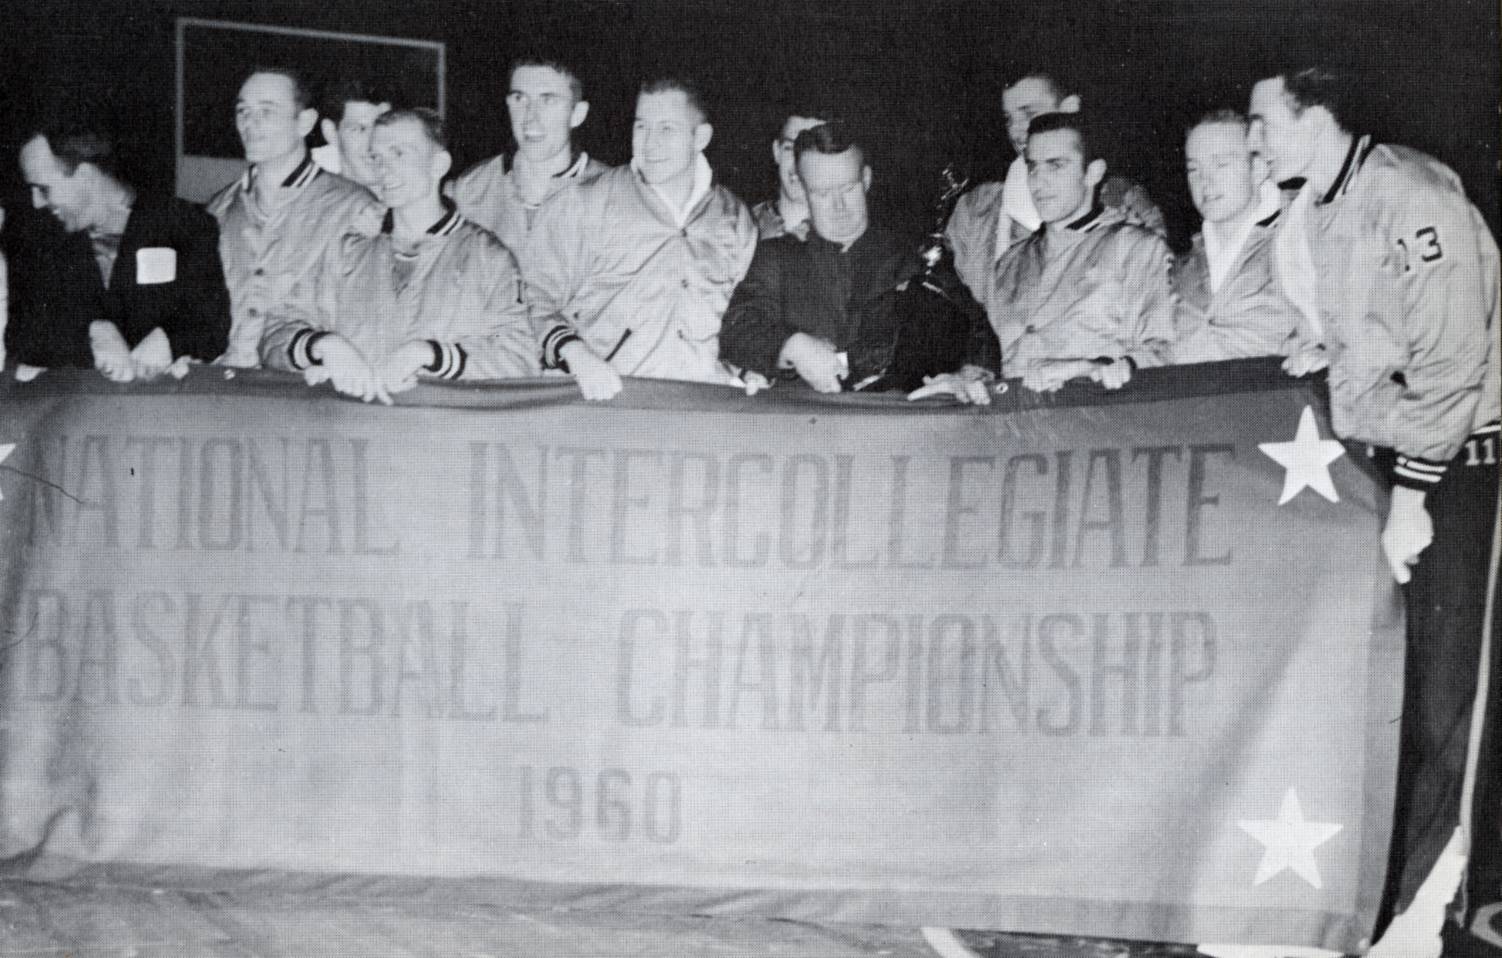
1030 328
683 283
260 272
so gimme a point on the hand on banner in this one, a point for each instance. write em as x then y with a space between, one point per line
597 379
340 364
398 371
970 385
816 361
111 355
1408 532
1113 375
152 355
1308 359
1050 375
754 382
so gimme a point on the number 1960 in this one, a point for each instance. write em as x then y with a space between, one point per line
560 803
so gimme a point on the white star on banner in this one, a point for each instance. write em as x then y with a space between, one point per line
1307 458
1289 842
5 450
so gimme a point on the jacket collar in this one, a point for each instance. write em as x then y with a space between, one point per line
304 174
1361 148
444 225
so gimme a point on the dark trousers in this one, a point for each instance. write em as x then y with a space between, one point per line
1446 607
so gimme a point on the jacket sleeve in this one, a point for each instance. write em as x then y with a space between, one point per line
753 332
553 266
293 326
966 233
497 341
1445 263
200 328
1148 318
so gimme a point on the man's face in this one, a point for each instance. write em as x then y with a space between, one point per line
667 135
1285 139
353 136
266 114
1029 97
544 113
836 185
1061 183
782 155
1222 171
408 166
66 196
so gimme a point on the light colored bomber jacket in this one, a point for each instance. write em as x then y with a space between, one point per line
1095 289
463 295
271 262
1248 316
486 195
609 264
1405 282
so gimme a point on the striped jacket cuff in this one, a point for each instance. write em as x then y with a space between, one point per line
300 349
1416 473
449 360
557 338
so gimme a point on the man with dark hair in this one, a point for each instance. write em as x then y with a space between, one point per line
993 216
630 273
545 102
1229 306
824 309
1395 276
1087 295
134 281
788 212
350 108
276 220
431 295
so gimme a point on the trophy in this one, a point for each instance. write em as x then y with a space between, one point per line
938 314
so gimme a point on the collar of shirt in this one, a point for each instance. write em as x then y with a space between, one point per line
703 179
327 157
1017 202
1224 243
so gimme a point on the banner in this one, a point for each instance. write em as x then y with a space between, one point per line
1118 664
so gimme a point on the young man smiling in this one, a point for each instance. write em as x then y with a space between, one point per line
630 273
430 295
1086 296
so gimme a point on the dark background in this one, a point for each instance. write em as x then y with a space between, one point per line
924 77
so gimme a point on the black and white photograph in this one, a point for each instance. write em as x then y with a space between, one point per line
777 479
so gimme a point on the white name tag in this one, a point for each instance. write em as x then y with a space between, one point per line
155 264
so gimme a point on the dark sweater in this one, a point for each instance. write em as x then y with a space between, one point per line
56 289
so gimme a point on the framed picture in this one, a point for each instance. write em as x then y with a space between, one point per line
213 57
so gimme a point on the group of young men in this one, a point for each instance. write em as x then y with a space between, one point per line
365 265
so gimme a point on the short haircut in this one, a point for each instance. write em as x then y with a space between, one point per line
1081 123
77 141
1057 83
1324 86
830 138
429 120
575 85
302 94
808 110
1225 116
678 84
340 93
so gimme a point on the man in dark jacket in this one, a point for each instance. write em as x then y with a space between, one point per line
824 310
130 285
